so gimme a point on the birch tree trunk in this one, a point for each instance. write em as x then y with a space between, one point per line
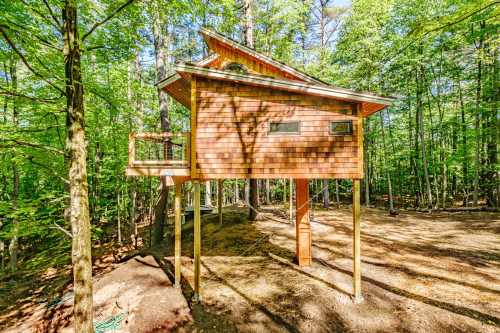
77 157
326 194
208 194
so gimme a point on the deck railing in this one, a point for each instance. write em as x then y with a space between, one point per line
174 152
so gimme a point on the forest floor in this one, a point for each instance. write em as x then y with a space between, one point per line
421 272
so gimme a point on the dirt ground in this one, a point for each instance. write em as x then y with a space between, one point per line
421 272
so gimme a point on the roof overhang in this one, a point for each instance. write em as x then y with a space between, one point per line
370 103
179 88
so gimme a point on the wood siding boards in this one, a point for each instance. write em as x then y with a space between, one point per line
232 139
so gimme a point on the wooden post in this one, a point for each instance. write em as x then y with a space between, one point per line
302 225
356 217
178 227
197 240
219 198
291 200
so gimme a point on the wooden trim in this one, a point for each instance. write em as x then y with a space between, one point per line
173 76
360 138
302 223
197 240
193 128
292 71
283 122
356 218
340 122
288 85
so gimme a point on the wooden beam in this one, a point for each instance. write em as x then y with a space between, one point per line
178 228
157 171
291 200
302 225
356 217
220 193
197 240
192 141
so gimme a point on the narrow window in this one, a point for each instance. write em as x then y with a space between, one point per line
341 127
284 127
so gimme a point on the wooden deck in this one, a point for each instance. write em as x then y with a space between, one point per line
175 163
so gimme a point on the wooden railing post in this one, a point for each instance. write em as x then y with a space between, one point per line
356 221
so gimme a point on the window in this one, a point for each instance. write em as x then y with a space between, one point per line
236 67
284 127
341 127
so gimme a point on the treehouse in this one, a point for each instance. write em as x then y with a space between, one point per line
254 117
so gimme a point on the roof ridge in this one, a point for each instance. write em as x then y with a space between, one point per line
205 31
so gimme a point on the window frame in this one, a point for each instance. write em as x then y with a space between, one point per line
269 132
332 132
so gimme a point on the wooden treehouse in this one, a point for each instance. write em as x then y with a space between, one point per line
254 117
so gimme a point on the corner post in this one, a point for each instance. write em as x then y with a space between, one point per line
291 200
220 194
197 240
356 217
302 225
178 227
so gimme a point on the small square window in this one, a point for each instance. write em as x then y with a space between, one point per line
341 127
288 127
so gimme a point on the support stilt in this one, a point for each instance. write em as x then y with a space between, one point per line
219 199
291 200
302 225
197 241
356 217
178 227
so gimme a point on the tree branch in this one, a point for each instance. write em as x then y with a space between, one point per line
23 59
57 226
109 17
42 15
32 145
49 169
54 17
6 92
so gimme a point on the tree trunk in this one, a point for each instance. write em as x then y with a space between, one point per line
268 192
337 194
14 241
386 167
161 46
236 191
326 194
420 131
248 23
366 161
477 120
208 194
248 40
465 160
77 156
